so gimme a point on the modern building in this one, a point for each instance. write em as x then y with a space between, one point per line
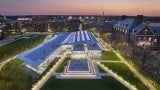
78 44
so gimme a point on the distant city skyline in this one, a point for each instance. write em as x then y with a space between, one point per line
80 7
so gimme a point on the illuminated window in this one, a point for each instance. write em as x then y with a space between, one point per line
150 39
155 40
146 31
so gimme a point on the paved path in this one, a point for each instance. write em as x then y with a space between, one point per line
109 61
145 81
45 78
7 40
6 61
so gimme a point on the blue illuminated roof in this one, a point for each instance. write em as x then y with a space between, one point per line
37 55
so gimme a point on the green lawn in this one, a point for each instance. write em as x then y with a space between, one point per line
61 67
109 55
106 83
19 46
12 77
123 71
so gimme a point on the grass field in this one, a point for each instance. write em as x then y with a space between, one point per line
106 83
123 71
19 46
61 67
109 55
12 77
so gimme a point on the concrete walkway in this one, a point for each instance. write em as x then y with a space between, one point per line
44 79
6 61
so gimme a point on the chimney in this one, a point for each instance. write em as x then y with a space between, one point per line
124 17
139 20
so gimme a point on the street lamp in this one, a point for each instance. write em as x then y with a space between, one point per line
155 76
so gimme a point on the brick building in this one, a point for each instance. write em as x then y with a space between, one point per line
136 32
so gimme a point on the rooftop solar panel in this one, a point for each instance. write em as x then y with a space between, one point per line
87 35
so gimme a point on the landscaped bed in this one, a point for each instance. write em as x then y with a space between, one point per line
62 66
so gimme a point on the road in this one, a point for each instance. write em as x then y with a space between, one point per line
45 78
145 81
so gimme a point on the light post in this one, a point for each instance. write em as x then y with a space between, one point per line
155 73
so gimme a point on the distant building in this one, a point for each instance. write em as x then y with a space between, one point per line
1 27
142 35
1 33
156 29
1 20
123 29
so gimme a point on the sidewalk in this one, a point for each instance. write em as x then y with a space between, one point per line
44 79
6 61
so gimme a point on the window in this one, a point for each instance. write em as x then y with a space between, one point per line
126 31
126 25
139 38
146 31
155 40
144 38
150 39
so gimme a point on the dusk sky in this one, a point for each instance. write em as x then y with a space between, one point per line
83 7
